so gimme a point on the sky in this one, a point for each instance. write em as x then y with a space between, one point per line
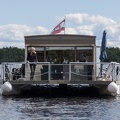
19 18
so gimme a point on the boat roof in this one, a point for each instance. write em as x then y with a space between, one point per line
60 39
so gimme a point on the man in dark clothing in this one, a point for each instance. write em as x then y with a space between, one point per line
82 58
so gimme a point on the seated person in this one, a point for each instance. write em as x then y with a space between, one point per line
82 58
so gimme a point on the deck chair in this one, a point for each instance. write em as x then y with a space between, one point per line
18 72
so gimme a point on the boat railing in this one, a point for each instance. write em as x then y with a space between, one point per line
73 71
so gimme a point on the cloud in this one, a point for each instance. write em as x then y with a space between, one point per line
94 25
70 31
82 24
13 34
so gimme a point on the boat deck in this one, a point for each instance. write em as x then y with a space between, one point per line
62 82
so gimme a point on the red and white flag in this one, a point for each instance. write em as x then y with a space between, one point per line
60 27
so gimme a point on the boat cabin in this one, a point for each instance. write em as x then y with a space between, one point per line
57 48
60 50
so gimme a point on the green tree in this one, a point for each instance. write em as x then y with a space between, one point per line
113 54
12 54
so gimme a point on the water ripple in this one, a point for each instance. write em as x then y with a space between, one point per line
69 108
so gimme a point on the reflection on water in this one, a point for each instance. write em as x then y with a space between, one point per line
77 108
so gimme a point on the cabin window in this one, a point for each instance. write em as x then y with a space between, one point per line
59 55
86 51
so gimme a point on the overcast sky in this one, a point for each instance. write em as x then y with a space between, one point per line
19 18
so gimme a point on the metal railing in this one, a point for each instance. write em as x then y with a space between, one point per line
72 71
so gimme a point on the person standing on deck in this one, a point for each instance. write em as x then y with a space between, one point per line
32 57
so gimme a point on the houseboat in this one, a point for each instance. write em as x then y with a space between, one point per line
59 63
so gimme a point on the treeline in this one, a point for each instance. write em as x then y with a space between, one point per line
113 54
14 54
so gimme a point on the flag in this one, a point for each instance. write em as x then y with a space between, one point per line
60 27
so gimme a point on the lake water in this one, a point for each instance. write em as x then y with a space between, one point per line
59 108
